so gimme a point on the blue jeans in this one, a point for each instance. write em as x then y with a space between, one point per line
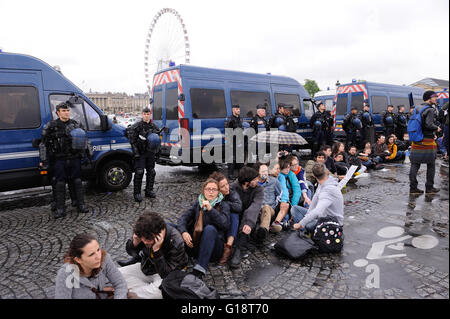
298 213
211 248
234 225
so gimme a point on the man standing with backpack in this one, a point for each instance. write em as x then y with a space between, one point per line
422 132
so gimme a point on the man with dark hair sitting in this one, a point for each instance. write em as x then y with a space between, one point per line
252 197
160 249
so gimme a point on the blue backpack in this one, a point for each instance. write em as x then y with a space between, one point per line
415 125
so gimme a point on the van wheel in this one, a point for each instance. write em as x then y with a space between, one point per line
115 175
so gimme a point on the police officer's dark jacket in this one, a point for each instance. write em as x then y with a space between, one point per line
233 122
138 133
272 122
324 118
366 121
348 125
56 141
254 123
385 115
397 119
171 256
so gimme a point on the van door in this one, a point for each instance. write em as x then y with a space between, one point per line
342 102
170 112
378 104
21 109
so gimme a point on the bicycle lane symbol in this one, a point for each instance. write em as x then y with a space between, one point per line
398 244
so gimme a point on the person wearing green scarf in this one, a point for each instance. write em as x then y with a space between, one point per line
204 225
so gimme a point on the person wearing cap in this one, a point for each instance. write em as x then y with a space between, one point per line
233 122
424 152
321 131
401 122
278 119
388 120
368 126
259 122
291 122
144 157
59 154
350 128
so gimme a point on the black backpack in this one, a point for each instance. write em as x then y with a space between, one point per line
295 245
182 285
328 235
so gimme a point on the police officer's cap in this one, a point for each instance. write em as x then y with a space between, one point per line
260 107
236 106
288 106
281 105
63 105
146 110
400 106
354 108
319 104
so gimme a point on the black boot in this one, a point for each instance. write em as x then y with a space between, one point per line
137 183
78 185
73 194
60 199
150 180
131 261
241 244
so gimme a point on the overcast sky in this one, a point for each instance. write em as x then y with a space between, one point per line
99 45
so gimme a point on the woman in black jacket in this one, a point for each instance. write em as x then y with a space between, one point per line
203 226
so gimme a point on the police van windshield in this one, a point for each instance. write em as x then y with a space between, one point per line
341 104
157 104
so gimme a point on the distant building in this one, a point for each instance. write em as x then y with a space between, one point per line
432 84
114 103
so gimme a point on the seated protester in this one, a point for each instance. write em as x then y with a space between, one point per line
405 144
320 157
328 201
233 200
252 197
353 158
306 187
366 157
395 154
337 148
380 149
274 170
329 162
290 195
160 248
98 278
204 226
341 166
272 196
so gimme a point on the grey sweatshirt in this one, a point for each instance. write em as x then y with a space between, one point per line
327 201
80 287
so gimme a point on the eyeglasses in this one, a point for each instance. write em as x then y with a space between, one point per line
211 190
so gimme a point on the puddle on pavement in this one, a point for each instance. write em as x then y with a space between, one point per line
263 273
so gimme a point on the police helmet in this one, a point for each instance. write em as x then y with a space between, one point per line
278 121
261 125
245 124
366 116
317 124
154 142
357 123
389 120
282 128
402 119
79 139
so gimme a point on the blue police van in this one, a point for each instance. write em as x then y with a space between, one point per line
199 100
443 98
378 95
326 97
30 89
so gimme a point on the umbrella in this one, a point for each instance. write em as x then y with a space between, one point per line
279 137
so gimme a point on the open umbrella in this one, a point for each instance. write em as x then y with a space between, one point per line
279 137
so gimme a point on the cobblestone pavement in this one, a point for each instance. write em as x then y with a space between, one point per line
378 208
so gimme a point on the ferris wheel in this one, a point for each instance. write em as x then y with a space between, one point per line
167 44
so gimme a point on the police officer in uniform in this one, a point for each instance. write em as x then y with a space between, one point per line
144 136
63 145
291 121
401 122
351 126
368 126
278 118
233 122
389 121
259 122
320 122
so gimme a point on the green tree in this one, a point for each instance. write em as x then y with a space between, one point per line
311 86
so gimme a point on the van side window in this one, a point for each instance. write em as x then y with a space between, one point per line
396 101
293 99
19 107
208 103
341 104
329 105
93 118
76 113
309 111
249 100
157 104
357 100
172 103
379 104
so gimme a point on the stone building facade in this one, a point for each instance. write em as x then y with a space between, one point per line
115 103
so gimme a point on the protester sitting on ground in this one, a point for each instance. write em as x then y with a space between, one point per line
329 161
353 158
272 195
395 154
306 187
274 170
327 201
234 201
88 272
252 197
160 249
380 149
405 144
337 148
290 196
341 166
320 157
204 227
366 156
